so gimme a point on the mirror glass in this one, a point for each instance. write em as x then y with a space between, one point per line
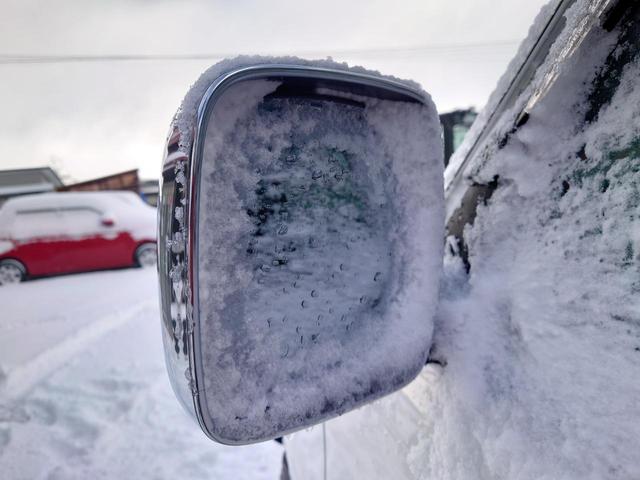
318 252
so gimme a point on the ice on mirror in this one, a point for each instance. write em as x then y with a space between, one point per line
319 249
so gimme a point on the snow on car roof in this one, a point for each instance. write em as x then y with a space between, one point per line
106 200
129 210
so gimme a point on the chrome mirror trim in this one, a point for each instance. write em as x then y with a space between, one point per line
178 217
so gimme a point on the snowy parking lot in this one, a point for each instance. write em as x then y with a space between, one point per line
84 393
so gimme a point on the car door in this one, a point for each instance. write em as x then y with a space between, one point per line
96 239
534 369
85 249
40 240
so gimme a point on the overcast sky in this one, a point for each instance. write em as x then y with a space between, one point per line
95 118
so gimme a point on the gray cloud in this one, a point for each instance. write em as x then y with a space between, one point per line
101 118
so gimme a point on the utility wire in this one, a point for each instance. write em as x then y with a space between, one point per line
447 49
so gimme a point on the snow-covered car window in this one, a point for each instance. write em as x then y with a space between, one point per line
80 221
36 223
545 330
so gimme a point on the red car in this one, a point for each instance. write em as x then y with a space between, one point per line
55 233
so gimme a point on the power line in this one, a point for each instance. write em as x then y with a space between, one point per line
33 59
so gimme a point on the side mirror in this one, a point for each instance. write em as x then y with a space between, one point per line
107 221
301 228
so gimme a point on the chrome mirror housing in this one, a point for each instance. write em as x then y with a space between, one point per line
301 226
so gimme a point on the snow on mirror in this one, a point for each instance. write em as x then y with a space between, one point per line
314 225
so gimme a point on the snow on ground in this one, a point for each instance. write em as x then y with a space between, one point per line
84 392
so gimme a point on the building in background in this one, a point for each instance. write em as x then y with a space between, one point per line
129 181
149 191
455 126
118 181
27 180
44 179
